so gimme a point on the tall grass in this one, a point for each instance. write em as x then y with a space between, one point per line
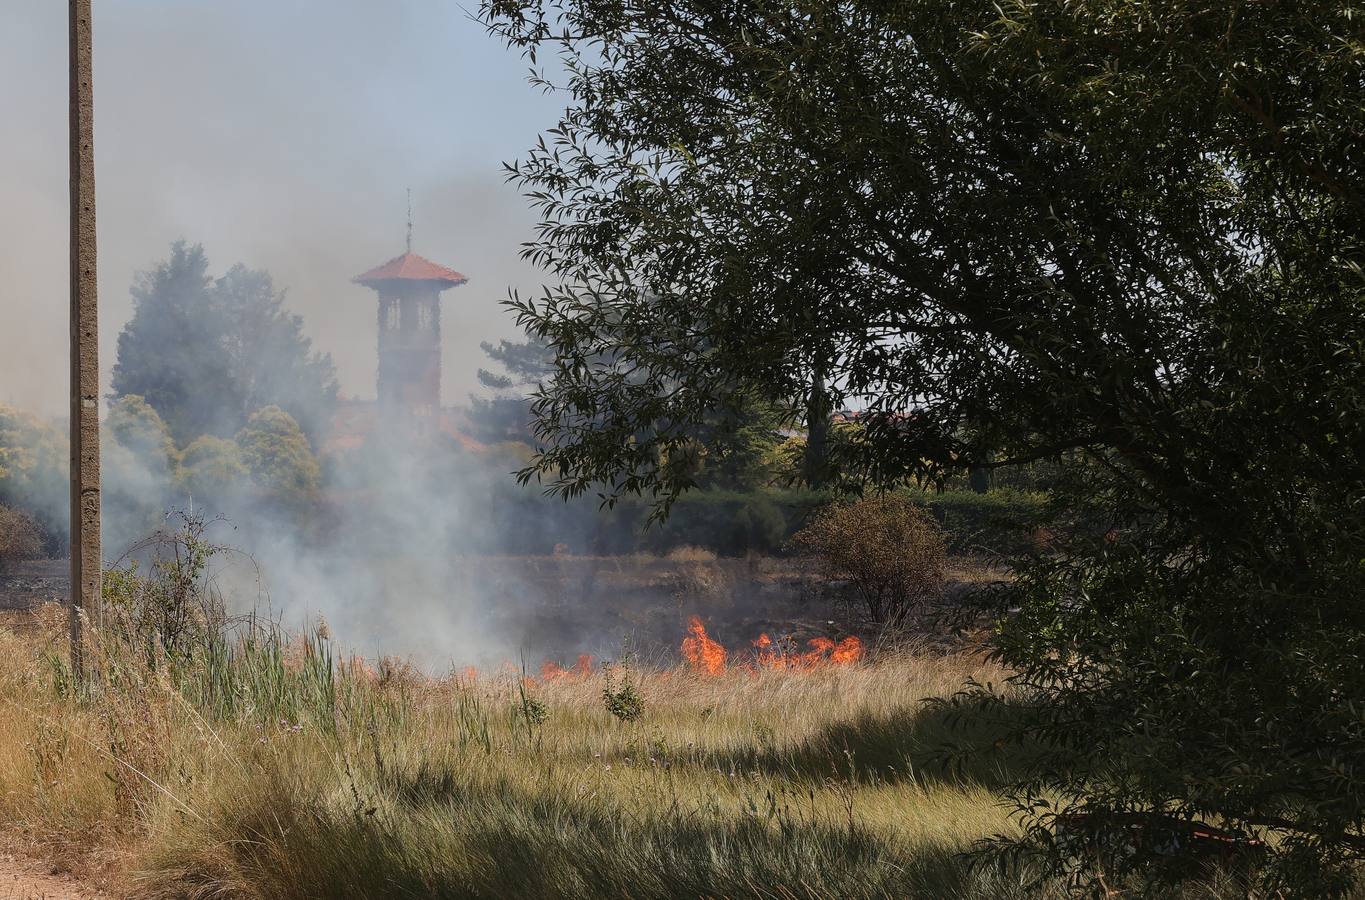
270 769
204 757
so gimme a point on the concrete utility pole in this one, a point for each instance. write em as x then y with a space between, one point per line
85 369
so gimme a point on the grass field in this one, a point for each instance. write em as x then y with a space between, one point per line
268 768
284 774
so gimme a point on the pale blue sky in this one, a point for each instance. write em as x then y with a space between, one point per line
279 133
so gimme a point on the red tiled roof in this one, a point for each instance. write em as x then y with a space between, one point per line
411 267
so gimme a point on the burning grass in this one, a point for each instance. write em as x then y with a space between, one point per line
270 771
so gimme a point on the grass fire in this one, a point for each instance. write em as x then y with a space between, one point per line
267 768
698 450
707 657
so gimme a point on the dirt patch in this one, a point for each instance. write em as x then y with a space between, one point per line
22 878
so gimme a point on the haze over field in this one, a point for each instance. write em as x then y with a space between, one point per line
279 134
283 135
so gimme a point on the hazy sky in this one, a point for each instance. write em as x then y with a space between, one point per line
278 133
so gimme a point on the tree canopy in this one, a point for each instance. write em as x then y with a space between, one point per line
506 415
206 352
1127 234
140 466
33 474
276 454
211 469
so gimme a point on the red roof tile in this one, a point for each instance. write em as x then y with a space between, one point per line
411 267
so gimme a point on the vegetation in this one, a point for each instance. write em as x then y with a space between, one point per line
1124 236
140 470
167 609
212 467
20 538
139 429
1120 239
736 448
277 456
506 416
268 768
622 699
890 552
33 473
205 353
1006 523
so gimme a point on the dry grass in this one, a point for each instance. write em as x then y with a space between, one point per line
688 553
207 757
770 784
272 771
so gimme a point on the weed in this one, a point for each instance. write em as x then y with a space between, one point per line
622 700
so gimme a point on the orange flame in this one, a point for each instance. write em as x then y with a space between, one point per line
849 650
702 653
767 655
553 671
823 651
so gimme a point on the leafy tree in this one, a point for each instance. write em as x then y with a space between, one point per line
730 449
737 445
1125 232
140 469
279 459
170 352
33 473
136 426
212 470
792 459
269 359
205 352
506 416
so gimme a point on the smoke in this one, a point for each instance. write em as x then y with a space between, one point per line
413 546
279 134
284 135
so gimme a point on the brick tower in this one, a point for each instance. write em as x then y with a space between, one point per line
409 289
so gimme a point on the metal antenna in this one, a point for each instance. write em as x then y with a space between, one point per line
409 220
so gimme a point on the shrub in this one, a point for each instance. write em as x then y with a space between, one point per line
890 552
532 710
20 537
623 701
279 458
169 607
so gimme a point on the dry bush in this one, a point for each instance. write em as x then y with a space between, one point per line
20 537
889 551
690 553
697 585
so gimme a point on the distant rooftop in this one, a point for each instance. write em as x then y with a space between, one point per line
411 267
